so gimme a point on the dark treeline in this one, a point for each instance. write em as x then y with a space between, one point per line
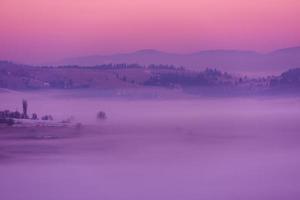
290 78
9 117
120 66
206 78
16 76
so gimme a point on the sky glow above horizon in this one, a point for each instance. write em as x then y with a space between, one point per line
36 31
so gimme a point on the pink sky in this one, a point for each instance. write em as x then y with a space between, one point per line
44 30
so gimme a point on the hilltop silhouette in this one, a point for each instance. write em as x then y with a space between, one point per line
225 60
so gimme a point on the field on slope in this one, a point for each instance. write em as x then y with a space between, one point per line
22 77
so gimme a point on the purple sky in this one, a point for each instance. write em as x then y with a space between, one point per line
46 30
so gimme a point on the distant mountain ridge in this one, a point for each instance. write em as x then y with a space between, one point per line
227 60
291 50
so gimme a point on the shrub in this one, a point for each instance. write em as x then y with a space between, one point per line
10 122
101 115
47 117
7 121
34 116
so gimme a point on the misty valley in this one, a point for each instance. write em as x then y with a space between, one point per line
149 100
169 144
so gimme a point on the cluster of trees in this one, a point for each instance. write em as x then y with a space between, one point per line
15 76
9 114
68 83
7 121
185 78
105 66
101 115
170 67
47 117
18 115
119 66
124 66
290 78
8 117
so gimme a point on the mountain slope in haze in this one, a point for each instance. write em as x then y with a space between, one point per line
228 60
121 77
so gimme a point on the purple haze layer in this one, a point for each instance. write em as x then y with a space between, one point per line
225 148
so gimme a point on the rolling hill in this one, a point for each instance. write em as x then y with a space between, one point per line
235 61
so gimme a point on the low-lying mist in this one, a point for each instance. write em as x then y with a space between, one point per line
152 148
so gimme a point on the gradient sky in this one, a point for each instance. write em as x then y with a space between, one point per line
35 31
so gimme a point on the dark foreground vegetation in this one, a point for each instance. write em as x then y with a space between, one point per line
9 117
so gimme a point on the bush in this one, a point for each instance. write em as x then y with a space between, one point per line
10 122
47 117
7 121
34 116
101 115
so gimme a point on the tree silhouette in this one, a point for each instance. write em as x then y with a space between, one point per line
25 105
